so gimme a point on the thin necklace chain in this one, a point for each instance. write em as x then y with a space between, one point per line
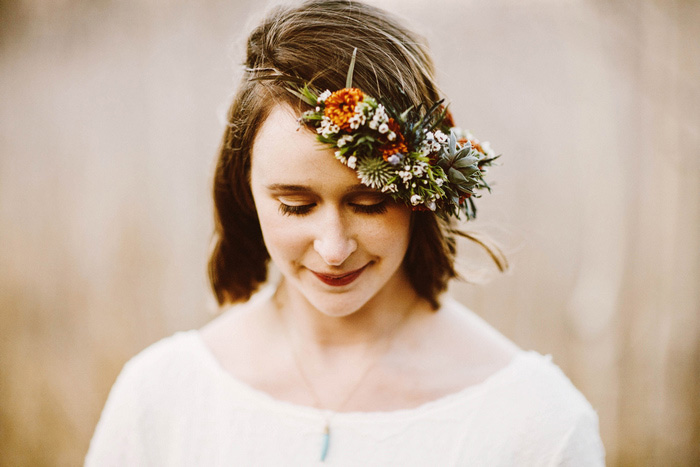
388 340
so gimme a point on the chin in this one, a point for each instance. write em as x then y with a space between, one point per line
337 304
368 291
329 300
372 287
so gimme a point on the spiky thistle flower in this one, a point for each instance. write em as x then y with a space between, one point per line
374 172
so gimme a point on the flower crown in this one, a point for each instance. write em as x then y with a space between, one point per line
415 156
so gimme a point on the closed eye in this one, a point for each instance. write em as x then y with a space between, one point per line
296 210
304 209
377 208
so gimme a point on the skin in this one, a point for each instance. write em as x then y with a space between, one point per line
317 219
372 333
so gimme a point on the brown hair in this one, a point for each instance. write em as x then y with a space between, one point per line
314 41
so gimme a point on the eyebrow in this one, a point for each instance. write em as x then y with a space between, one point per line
281 187
292 188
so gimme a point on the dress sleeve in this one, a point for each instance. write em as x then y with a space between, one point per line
117 437
582 446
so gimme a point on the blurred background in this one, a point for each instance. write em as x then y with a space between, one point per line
110 116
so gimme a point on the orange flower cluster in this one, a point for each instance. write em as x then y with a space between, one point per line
463 198
392 147
340 106
474 142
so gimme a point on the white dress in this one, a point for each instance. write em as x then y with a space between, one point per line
174 405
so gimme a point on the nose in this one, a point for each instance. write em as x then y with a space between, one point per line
333 241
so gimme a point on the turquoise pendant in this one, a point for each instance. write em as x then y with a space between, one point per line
325 441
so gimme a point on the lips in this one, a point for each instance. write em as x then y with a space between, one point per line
338 280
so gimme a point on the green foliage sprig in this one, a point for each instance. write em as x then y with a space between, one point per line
415 156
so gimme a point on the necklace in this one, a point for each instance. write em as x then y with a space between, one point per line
326 435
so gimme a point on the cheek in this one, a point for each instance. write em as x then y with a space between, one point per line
391 236
285 241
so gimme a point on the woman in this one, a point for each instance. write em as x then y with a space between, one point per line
337 165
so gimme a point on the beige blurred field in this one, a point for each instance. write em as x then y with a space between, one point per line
110 116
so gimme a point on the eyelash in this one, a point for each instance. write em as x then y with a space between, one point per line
378 208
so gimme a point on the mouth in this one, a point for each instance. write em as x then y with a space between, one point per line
338 280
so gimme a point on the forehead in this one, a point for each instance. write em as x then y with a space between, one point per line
285 153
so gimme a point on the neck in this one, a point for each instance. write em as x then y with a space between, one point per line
313 330
335 356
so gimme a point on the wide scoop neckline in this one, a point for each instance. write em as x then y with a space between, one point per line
271 403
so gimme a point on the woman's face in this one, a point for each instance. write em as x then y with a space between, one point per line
338 243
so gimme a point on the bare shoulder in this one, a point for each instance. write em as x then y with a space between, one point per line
454 349
471 336
238 334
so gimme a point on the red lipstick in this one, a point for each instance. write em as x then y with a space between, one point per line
338 280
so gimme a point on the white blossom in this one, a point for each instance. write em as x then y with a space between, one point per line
352 162
486 146
441 137
405 176
356 121
383 128
345 139
439 181
416 200
379 118
390 188
359 118
327 127
325 95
